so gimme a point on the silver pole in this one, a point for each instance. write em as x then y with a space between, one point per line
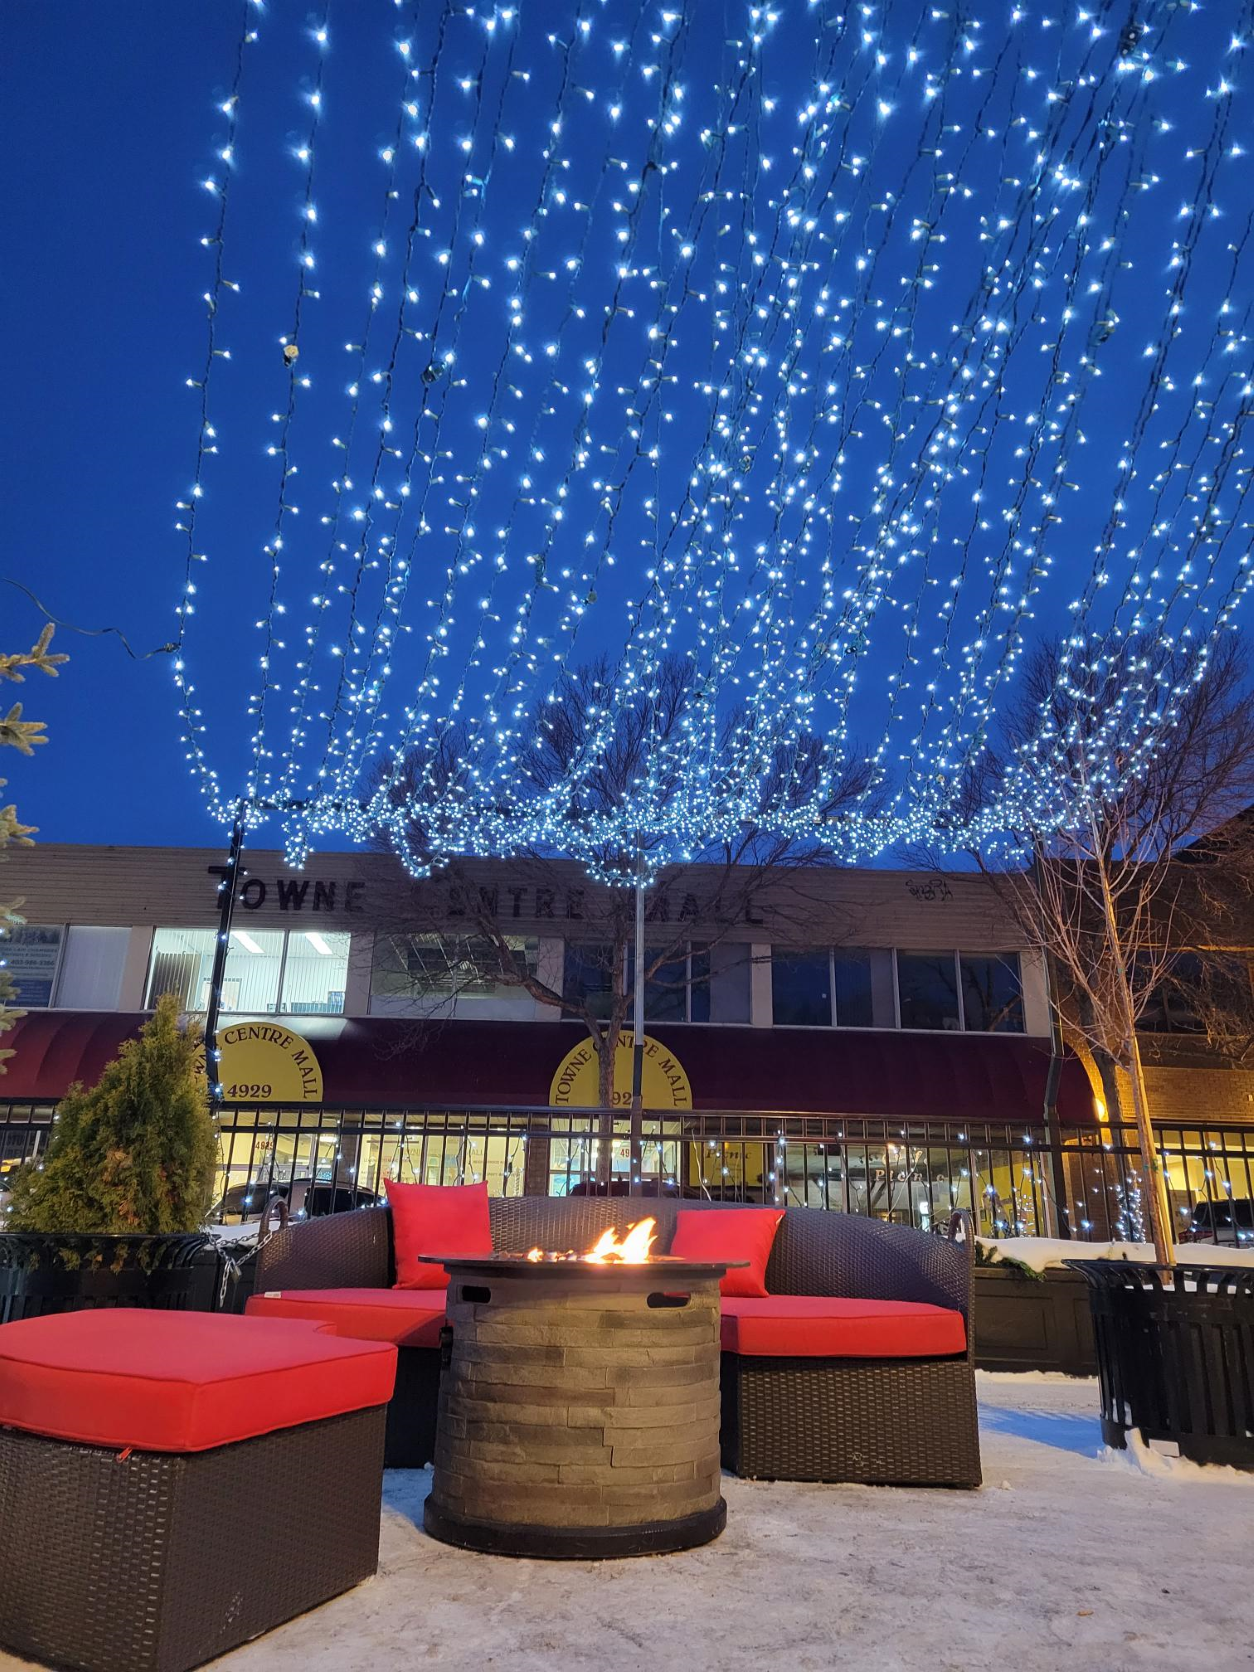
637 1041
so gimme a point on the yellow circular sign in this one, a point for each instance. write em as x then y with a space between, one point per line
664 1086
264 1062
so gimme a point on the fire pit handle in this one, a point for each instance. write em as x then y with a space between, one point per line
446 1346
667 1299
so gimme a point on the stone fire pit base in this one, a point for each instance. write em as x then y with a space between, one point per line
579 1410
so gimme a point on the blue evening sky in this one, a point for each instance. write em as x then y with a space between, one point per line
109 119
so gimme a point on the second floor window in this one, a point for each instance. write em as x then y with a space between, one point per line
436 967
972 992
1189 988
853 987
844 987
268 971
927 990
992 993
693 983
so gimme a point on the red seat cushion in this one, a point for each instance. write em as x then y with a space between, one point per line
180 1381
405 1317
436 1219
810 1326
730 1234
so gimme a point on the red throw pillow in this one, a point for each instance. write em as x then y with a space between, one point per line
730 1234
436 1219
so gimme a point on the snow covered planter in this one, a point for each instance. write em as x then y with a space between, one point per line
1175 1356
1032 1313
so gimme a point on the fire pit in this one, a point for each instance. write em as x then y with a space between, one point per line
579 1409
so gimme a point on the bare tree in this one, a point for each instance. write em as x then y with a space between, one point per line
1111 895
706 903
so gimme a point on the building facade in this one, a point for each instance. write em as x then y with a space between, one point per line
821 966
898 1005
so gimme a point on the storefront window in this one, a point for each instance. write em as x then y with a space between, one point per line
992 1000
927 987
268 971
847 986
410 967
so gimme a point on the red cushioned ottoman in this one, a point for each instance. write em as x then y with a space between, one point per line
154 1468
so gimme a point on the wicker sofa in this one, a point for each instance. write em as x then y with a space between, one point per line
904 1415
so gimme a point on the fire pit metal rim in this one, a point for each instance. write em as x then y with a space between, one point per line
518 1265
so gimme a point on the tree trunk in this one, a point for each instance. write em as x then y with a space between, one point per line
1108 1074
1160 1218
1160 1210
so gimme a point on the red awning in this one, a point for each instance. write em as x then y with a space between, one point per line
372 1061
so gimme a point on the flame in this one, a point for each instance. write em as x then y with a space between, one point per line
633 1250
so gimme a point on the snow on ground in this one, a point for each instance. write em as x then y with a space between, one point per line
1052 1566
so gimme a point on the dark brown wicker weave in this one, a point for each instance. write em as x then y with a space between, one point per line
894 1421
158 1562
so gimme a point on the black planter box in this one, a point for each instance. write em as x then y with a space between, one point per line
1026 1323
182 1272
1175 1356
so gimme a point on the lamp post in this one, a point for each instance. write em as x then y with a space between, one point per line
228 890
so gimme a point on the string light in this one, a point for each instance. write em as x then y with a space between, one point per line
406 127
219 185
279 447
834 357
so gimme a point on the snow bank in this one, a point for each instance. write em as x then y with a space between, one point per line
1147 1460
1049 1253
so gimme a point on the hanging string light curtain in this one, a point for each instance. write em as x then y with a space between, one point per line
838 353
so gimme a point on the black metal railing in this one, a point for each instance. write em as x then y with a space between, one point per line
319 1159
